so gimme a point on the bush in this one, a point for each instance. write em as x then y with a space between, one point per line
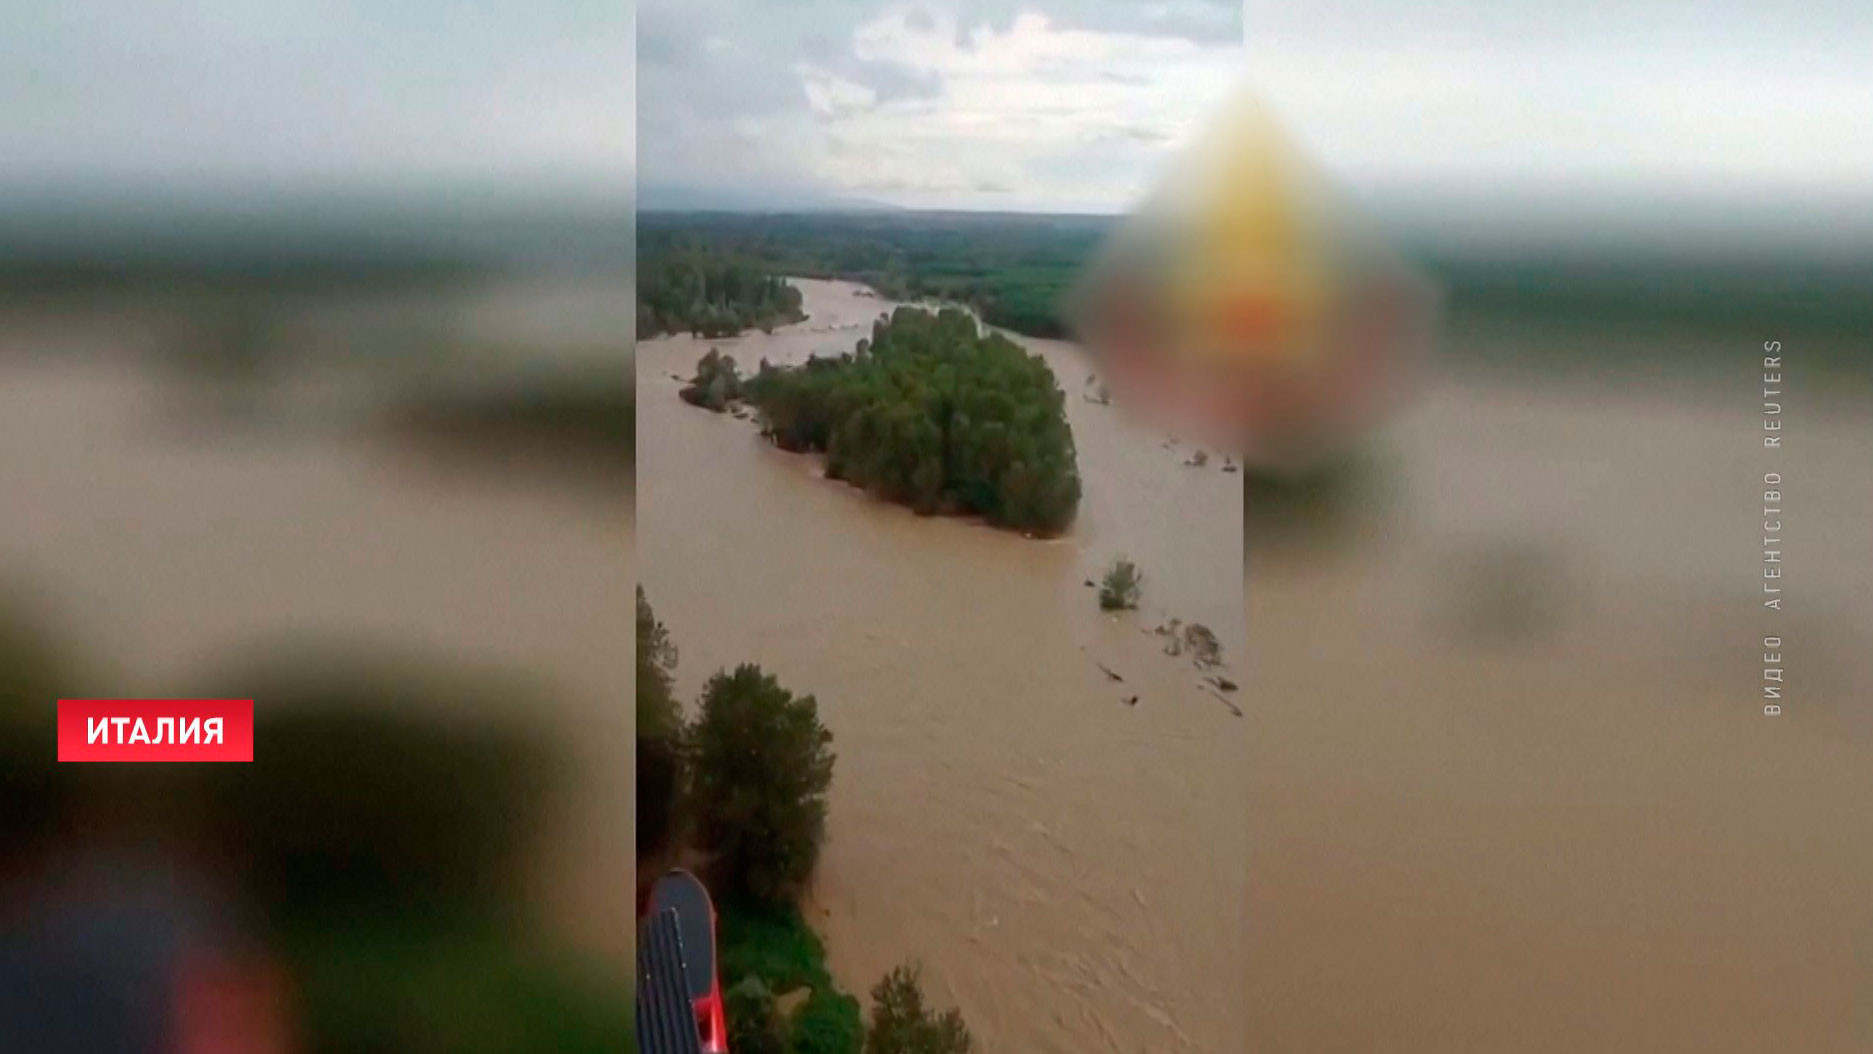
717 382
754 1025
828 1022
769 941
1122 586
763 763
902 1024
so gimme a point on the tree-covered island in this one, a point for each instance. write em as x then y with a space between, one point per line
930 412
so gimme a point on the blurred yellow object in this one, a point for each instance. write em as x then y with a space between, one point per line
1248 282
1245 302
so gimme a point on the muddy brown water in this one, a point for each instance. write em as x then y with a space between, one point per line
1510 786
1066 867
165 542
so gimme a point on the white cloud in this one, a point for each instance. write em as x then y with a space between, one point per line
938 106
1049 105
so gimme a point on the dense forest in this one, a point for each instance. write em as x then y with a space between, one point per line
1012 269
710 295
930 412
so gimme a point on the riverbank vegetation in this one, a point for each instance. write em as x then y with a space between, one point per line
932 413
1013 269
710 294
746 790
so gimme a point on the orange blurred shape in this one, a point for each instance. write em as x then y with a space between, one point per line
1247 303
1252 318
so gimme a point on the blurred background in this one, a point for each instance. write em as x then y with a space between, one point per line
1511 784
314 385
313 388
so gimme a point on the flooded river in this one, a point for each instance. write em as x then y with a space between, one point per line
1066 866
1511 786
165 542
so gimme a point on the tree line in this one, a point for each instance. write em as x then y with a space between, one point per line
710 295
930 412
1013 269
745 783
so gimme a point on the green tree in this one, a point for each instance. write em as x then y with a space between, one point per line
763 763
657 712
902 1024
709 293
716 384
829 1022
1122 586
1013 270
660 756
935 414
754 1025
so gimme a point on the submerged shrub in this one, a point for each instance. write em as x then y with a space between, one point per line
1121 587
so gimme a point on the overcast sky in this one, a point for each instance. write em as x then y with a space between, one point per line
1055 104
1058 104
1062 103
1654 95
318 93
